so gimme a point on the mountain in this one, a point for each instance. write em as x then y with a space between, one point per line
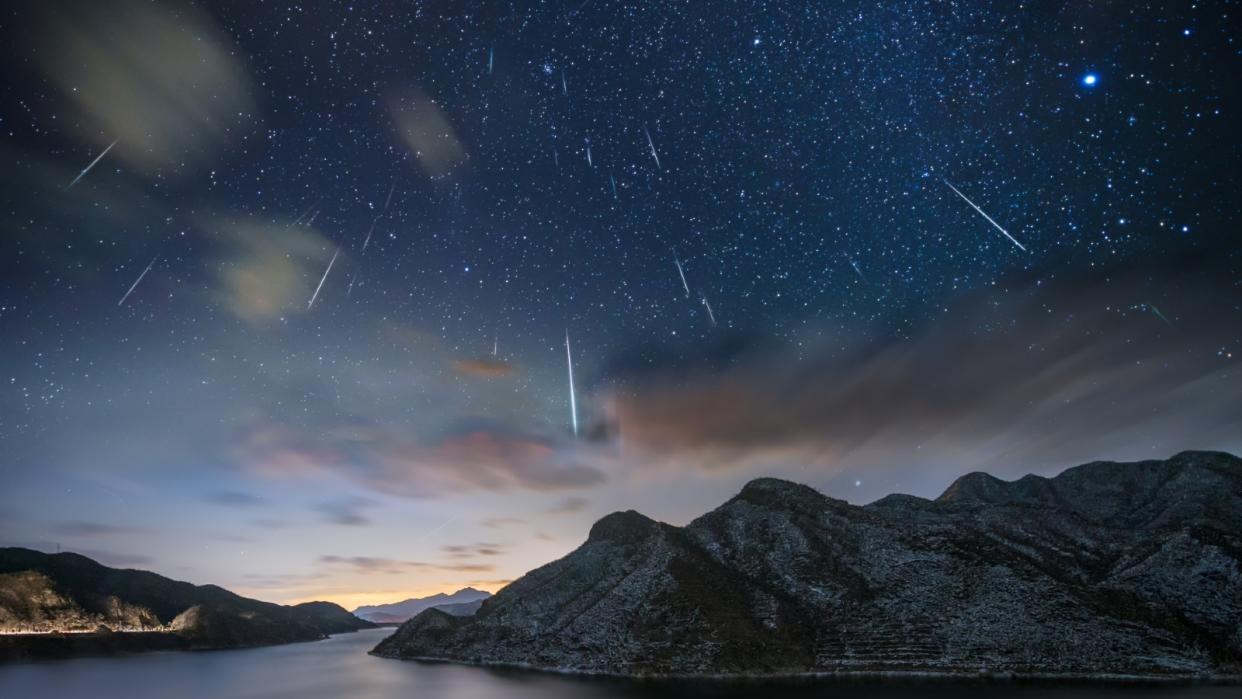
1106 569
78 606
458 604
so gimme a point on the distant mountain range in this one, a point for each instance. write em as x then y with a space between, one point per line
78 606
464 602
1106 569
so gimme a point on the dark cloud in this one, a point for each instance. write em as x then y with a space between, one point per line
1039 373
346 511
369 564
234 498
472 550
95 529
567 506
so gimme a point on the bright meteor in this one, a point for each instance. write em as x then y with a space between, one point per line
139 279
323 279
573 401
681 273
93 163
989 218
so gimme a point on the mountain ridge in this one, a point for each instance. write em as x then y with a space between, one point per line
461 602
1105 568
47 597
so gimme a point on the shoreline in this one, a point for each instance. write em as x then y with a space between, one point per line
43 647
875 674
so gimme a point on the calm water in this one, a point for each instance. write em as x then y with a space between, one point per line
340 667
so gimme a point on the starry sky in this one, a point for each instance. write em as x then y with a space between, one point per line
286 288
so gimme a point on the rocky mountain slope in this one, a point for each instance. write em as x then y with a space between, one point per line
1117 569
66 594
464 602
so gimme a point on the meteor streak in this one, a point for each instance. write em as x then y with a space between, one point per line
651 145
368 239
681 273
564 85
1160 315
323 279
589 156
613 180
981 213
711 316
93 163
139 279
857 270
573 401
491 53
391 189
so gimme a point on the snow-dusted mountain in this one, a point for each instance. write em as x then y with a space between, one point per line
460 603
1105 569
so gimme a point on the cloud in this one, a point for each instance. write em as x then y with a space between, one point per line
472 550
346 511
567 506
160 79
267 271
477 459
483 368
370 564
424 128
502 522
1037 374
95 529
233 498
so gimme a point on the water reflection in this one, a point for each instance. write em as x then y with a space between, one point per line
340 667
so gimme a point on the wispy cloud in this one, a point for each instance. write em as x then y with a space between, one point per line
234 498
369 564
346 511
95 529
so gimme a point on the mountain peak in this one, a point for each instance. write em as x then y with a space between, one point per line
780 493
626 527
976 487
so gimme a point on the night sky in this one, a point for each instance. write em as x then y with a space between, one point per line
481 180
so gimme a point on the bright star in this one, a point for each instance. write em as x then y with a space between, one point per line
1089 79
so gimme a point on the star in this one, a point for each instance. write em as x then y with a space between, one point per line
1090 79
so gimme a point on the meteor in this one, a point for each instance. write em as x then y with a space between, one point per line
711 316
564 85
613 180
589 156
368 239
491 53
989 218
139 279
93 163
391 189
681 273
573 402
651 145
298 220
1161 315
323 279
857 270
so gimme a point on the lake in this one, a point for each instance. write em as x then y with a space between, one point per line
340 667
